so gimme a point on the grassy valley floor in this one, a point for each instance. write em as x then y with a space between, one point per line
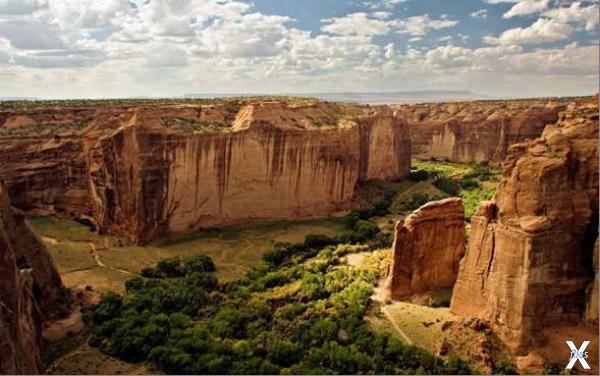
85 258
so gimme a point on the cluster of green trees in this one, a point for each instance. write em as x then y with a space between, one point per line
183 321
470 185
300 311
452 186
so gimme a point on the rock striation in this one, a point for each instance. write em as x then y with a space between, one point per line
591 307
529 260
29 285
145 170
427 249
477 131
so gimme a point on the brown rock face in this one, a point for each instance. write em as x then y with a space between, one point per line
28 282
143 171
476 131
591 306
529 259
428 247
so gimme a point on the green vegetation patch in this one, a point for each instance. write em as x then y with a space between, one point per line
44 129
431 180
191 125
300 311
234 249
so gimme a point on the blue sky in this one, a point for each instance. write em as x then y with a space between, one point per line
108 48
310 13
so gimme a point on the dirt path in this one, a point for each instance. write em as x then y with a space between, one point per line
95 254
377 297
388 315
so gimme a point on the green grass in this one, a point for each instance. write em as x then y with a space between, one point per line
449 169
411 318
472 198
409 189
486 177
234 249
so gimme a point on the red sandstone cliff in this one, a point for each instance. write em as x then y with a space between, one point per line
29 284
529 261
428 247
144 171
476 131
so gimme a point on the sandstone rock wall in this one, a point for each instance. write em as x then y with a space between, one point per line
591 306
428 247
28 283
529 259
176 169
476 131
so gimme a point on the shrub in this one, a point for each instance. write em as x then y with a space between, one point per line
469 184
136 283
171 267
382 240
505 368
278 254
479 171
199 263
109 307
418 175
273 279
447 186
366 229
323 330
317 241
150 272
283 353
416 201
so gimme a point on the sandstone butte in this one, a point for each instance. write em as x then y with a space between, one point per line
427 249
477 131
145 170
529 264
29 286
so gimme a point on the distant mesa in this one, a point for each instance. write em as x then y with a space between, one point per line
374 97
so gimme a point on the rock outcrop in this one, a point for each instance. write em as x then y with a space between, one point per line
29 284
529 260
146 170
477 131
591 307
427 249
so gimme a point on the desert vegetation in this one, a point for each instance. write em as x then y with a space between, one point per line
433 180
299 311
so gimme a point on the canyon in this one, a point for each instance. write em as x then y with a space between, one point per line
29 288
477 131
144 170
141 172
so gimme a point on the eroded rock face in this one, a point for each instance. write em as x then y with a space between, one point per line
591 306
29 283
428 247
529 260
143 171
476 131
